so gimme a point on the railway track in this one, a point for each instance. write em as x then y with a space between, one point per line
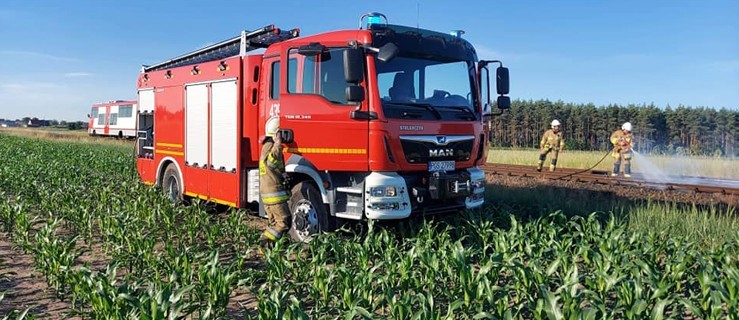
680 183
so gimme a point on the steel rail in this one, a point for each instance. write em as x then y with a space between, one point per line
695 184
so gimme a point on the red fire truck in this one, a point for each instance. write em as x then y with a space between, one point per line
114 118
378 123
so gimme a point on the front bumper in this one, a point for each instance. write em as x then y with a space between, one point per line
423 193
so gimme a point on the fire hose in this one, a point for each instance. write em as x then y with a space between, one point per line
586 170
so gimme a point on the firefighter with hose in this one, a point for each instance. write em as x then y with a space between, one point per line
272 188
552 141
623 142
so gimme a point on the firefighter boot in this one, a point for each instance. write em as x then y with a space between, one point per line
542 157
627 170
553 165
616 169
268 239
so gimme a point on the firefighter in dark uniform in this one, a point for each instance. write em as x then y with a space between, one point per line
272 189
552 141
623 142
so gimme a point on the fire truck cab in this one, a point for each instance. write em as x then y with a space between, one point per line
377 123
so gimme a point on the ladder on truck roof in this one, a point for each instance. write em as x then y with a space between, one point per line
247 41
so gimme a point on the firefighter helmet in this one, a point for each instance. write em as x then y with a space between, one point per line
555 122
271 127
626 126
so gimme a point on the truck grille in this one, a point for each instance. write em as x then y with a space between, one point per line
422 149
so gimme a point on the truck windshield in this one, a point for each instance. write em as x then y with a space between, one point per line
427 89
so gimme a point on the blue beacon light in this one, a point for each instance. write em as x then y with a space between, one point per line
457 33
373 19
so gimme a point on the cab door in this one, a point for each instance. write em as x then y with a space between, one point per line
312 103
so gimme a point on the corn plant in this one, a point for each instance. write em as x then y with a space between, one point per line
500 262
55 257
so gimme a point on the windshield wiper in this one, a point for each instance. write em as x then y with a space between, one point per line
419 105
460 108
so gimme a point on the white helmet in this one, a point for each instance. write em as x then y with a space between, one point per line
626 126
555 122
271 127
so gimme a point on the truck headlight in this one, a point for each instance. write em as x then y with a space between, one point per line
383 191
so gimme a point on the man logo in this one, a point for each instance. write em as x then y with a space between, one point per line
441 140
436 153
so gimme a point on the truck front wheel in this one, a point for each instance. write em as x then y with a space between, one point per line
309 214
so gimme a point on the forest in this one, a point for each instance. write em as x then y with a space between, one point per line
681 130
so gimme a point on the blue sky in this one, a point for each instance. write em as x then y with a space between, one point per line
59 57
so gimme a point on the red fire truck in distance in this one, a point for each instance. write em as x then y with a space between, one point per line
114 118
378 123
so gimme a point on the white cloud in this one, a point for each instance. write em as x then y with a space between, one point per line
78 74
33 54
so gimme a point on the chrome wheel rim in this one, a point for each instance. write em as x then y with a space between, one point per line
306 213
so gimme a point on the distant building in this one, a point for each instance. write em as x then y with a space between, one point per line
37 123
7 123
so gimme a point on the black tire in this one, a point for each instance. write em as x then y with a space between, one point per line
309 216
171 184
94 133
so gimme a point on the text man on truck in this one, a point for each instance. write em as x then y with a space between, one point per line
377 123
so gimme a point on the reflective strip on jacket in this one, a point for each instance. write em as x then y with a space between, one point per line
271 169
618 136
552 140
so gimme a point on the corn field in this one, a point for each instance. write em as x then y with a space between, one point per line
63 203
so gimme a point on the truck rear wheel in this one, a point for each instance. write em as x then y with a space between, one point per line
171 184
309 214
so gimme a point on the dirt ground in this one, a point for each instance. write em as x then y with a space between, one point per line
26 288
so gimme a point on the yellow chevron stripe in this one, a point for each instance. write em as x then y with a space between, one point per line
219 201
170 145
173 153
326 150
148 183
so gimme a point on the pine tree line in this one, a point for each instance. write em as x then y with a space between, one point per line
680 130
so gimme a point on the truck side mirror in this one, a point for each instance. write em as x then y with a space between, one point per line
504 102
387 52
354 65
354 93
502 80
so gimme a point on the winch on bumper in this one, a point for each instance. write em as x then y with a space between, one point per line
389 195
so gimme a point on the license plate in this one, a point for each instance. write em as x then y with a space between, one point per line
435 166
